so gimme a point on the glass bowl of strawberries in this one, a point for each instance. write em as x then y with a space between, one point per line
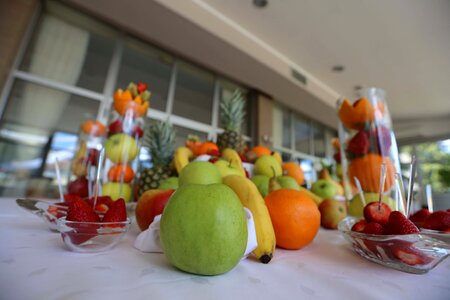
85 230
435 224
388 238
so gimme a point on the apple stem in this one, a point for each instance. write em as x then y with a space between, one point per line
58 179
382 181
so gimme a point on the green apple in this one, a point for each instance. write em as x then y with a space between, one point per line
225 168
356 208
324 188
112 189
267 165
288 182
121 148
170 183
331 213
262 183
204 229
199 172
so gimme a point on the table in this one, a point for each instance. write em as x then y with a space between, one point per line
34 264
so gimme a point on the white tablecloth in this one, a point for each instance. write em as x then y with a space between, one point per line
34 264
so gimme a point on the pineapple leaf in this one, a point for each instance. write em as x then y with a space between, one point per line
160 139
232 112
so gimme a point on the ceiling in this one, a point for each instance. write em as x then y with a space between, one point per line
402 46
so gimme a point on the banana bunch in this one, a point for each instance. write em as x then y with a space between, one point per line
181 158
251 198
233 157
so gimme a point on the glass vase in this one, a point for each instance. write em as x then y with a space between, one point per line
366 142
84 163
122 146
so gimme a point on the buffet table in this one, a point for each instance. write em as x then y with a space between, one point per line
34 264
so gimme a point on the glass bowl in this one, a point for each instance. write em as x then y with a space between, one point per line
439 235
91 237
48 211
411 253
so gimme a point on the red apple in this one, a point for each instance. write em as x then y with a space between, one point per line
151 204
78 187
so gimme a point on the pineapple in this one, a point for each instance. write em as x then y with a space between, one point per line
160 139
232 114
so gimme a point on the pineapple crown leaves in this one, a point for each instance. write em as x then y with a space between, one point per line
232 112
160 139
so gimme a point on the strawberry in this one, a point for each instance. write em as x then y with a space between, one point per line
408 254
117 212
214 152
377 212
381 138
243 158
141 87
213 159
419 217
337 157
81 211
359 226
137 132
106 200
373 228
359 144
399 224
70 197
439 220
247 174
92 157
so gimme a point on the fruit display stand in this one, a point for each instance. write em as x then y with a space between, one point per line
35 265
125 132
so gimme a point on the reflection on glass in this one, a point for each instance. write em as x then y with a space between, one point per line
32 115
182 133
143 63
302 135
318 132
68 54
281 127
194 93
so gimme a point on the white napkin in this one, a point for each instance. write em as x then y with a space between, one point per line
148 240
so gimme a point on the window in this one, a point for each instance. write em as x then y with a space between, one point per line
144 63
71 66
301 140
193 93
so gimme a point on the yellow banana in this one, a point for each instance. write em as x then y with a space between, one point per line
313 196
181 158
251 198
235 160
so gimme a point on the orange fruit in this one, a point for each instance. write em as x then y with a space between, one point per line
208 148
368 169
293 170
261 150
95 128
115 173
295 218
